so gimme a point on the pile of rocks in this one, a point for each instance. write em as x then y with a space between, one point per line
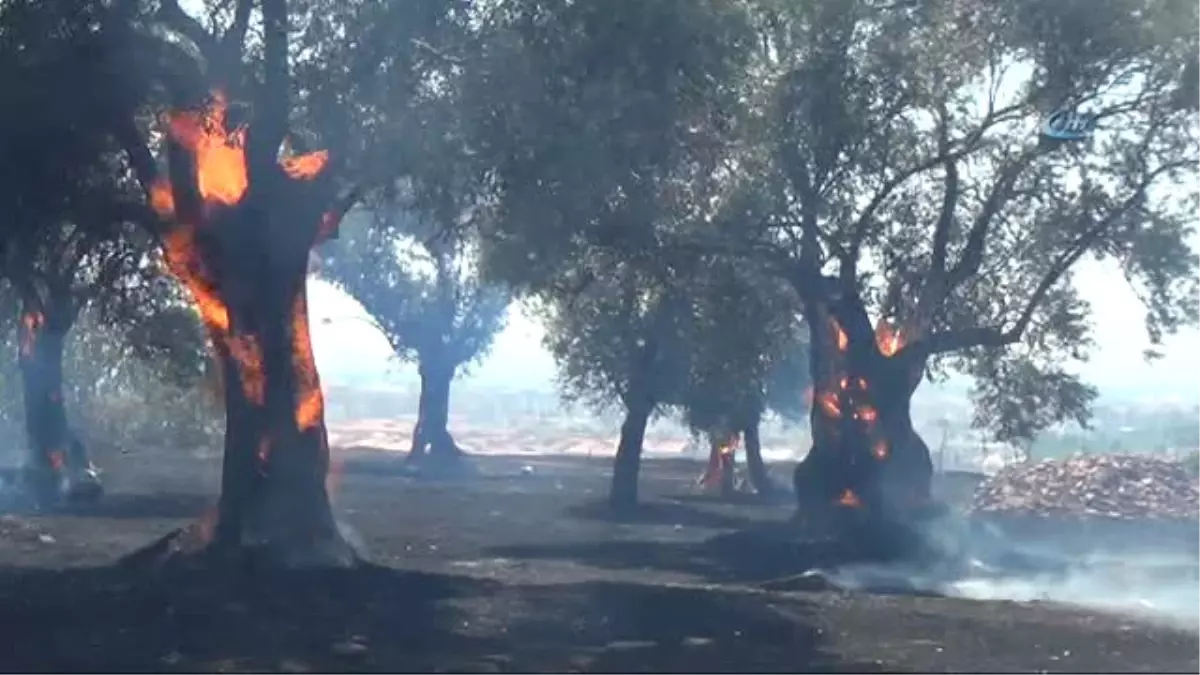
1119 487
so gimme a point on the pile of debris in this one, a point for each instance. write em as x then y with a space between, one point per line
1117 487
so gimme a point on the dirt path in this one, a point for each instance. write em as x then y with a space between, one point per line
515 571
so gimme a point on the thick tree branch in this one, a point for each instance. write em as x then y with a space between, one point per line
171 14
950 192
994 337
1002 190
227 57
273 103
965 147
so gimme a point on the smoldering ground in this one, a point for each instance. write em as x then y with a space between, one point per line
1149 571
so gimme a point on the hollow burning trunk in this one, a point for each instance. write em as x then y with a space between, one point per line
431 435
242 231
721 470
623 495
866 456
55 453
273 489
760 479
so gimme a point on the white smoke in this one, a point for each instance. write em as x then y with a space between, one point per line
1159 584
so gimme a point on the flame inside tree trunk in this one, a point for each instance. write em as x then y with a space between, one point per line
866 456
54 451
240 238
721 470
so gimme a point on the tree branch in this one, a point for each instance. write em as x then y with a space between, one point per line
973 252
273 102
950 193
994 337
171 14
228 48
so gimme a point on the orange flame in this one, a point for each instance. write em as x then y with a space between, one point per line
310 402
222 181
840 338
33 322
849 499
220 158
880 450
830 404
866 414
57 459
888 338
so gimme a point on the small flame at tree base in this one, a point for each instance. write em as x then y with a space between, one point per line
849 499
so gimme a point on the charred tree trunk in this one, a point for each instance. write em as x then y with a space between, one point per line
866 455
623 495
240 242
431 436
760 479
273 480
58 463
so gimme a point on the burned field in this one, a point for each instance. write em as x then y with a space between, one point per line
515 569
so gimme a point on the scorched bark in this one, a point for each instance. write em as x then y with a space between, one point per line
52 447
865 453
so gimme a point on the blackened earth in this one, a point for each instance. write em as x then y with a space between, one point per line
513 568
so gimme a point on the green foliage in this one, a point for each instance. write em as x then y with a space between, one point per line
602 126
891 149
423 293
125 393
619 333
748 353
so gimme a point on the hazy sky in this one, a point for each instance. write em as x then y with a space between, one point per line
347 343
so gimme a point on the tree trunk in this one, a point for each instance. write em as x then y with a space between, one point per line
273 490
58 463
623 495
243 221
431 434
721 450
866 456
759 477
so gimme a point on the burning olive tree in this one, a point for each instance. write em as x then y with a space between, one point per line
421 287
727 393
69 239
925 221
238 214
56 272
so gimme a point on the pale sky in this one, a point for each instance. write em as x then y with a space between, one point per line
347 344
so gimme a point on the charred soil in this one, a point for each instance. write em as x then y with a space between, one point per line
514 569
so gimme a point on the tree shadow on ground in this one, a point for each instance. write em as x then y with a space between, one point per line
758 553
623 627
114 619
779 498
120 506
376 619
661 513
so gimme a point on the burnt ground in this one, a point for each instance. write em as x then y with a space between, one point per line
516 570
